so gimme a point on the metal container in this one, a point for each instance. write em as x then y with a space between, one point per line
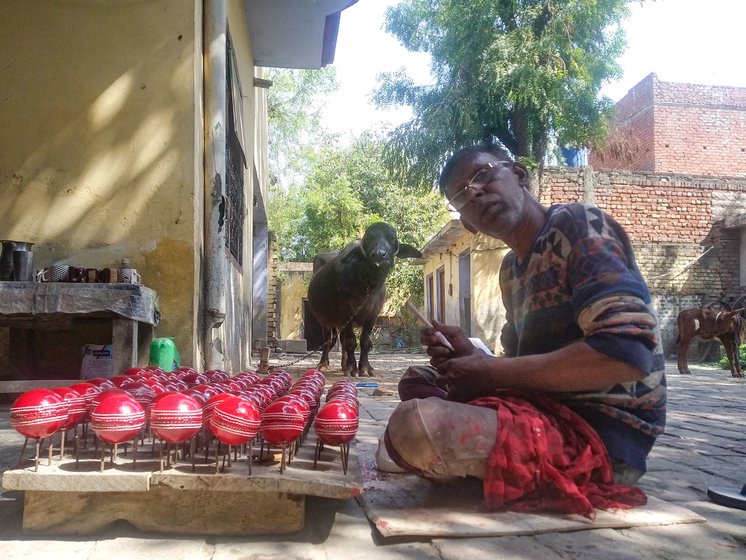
23 265
6 256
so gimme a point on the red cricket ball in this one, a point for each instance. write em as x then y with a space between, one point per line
210 405
88 391
117 380
134 372
97 398
336 423
299 402
143 394
216 375
175 417
77 410
102 383
235 420
342 387
117 418
282 423
39 413
192 378
249 376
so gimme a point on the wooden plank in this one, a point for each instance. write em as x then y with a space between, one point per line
72 498
66 479
327 480
54 322
299 477
23 385
402 505
164 510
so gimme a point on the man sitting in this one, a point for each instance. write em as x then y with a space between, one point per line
580 391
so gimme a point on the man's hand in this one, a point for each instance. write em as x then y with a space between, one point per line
468 377
434 340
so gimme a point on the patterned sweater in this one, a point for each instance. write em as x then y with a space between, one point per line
581 282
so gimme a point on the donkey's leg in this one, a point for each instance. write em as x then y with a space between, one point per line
682 348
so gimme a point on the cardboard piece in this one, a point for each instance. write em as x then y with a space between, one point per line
407 505
96 361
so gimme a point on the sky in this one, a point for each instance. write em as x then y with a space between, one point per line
692 41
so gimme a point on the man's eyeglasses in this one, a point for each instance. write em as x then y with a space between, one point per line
478 181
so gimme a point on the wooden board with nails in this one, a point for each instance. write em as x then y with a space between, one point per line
63 499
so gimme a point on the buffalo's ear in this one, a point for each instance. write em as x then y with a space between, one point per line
406 251
355 254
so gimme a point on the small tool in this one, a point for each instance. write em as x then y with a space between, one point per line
439 335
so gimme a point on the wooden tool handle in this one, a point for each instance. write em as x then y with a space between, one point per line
422 319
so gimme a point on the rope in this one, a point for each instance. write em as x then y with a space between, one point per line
686 266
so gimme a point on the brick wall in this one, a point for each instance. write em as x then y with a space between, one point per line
630 142
272 290
676 225
669 127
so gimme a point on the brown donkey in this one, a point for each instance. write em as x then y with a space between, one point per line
707 323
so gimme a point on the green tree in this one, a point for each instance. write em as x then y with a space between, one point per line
294 105
510 71
344 191
285 213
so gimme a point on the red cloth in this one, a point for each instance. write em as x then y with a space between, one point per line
548 458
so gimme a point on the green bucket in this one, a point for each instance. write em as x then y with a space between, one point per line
164 354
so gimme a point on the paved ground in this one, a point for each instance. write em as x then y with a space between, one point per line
705 445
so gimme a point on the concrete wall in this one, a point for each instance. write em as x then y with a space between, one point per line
101 99
293 288
237 331
107 156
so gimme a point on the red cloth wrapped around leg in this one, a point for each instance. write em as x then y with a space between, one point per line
548 458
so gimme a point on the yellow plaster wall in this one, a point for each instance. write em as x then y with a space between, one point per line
97 155
293 290
488 313
448 259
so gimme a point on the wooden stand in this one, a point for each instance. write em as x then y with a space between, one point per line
28 308
164 510
64 501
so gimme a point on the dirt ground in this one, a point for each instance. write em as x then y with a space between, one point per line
388 366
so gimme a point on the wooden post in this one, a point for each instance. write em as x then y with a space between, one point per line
123 345
264 359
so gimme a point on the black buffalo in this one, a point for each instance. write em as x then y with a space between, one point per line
349 288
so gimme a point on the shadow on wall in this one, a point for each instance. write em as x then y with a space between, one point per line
108 156
97 155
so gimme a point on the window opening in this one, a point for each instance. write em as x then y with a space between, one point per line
235 160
